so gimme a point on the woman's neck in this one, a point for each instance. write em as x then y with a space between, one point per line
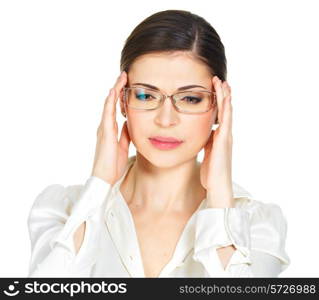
163 190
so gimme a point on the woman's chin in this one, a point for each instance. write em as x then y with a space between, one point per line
164 159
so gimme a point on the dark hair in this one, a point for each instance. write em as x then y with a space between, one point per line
171 30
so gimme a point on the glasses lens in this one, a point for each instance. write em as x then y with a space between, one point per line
140 98
194 102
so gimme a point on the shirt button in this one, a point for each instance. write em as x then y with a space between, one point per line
111 214
131 257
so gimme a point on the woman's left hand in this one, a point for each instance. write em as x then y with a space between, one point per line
215 172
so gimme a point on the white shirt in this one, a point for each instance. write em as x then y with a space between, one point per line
110 247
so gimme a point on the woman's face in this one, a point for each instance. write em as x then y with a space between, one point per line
168 72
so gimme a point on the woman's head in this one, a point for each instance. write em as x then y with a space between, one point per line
169 50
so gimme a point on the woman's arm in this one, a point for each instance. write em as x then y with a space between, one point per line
263 264
79 237
225 253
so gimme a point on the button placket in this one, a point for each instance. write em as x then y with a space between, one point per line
123 238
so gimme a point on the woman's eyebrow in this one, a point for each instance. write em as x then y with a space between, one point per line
186 87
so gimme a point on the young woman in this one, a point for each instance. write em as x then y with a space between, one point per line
161 213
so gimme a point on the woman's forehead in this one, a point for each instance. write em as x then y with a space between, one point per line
162 62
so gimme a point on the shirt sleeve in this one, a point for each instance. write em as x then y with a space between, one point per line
52 223
258 236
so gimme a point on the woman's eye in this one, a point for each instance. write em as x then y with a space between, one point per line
143 96
191 99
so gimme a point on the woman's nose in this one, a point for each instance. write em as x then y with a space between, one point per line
166 114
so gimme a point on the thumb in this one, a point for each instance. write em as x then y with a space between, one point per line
209 144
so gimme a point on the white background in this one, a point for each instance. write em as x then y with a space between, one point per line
58 59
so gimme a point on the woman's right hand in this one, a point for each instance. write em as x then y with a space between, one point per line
111 155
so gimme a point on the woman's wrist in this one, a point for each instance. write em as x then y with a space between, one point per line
220 201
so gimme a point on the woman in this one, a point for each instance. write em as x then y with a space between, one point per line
161 213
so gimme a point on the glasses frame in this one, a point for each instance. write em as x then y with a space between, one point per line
173 101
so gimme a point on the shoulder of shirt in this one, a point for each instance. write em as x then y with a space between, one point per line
244 199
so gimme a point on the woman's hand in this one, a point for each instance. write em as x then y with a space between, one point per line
215 173
111 155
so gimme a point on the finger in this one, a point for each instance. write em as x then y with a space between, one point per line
226 125
229 97
225 111
118 86
226 94
125 139
120 82
219 96
225 89
229 88
110 101
209 144
106 110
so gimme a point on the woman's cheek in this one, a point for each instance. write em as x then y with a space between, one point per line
204 128
138 132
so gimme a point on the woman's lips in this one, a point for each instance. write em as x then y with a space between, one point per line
165 139
164 145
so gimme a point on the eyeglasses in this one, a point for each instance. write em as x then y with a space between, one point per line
188 102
